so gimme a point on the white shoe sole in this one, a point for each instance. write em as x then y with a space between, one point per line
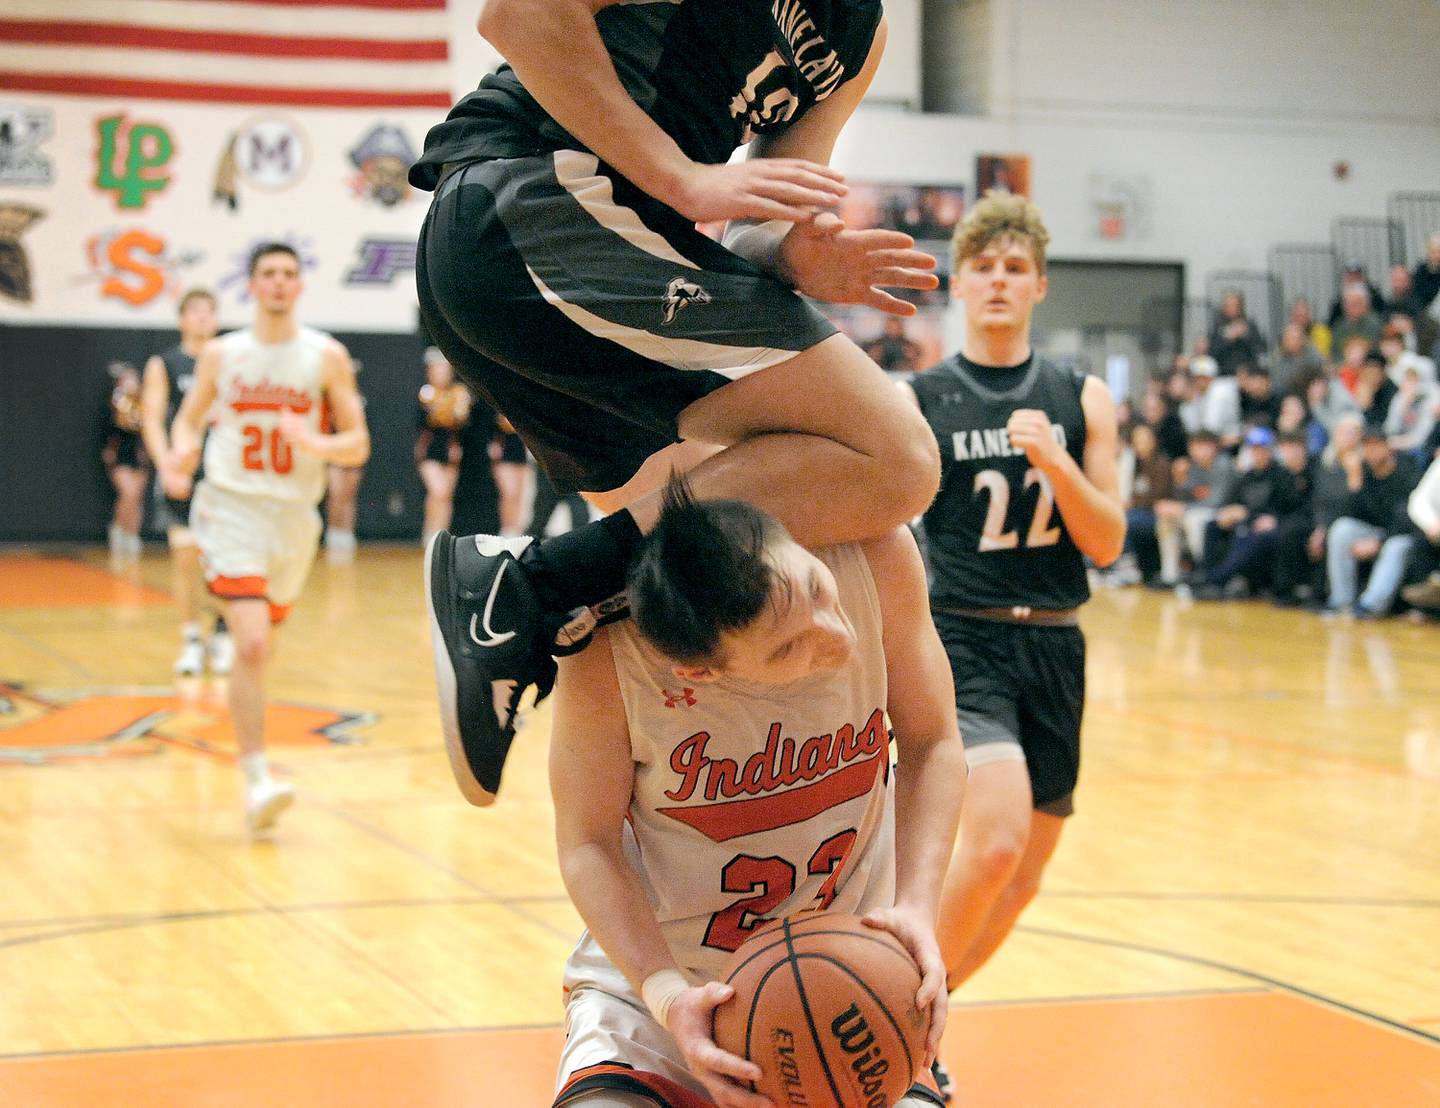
263 818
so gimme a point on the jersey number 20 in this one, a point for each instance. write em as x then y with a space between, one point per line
253 457
992 536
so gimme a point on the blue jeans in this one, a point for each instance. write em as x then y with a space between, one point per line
1385 577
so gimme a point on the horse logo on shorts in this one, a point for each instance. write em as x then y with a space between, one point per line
678 293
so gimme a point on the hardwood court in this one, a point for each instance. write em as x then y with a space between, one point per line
1245 909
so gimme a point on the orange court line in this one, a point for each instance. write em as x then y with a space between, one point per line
28 581
1207 1051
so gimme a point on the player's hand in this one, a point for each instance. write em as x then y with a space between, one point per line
296 430
690 1023
917 935
183 461
1030 430
759 188
822 258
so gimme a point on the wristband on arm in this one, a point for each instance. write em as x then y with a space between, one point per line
660 990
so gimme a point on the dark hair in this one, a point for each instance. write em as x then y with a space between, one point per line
266 248
1204 436
196 294
703 570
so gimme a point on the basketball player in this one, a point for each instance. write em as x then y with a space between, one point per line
342 495
168 378
561 271
254 514
444 409
1028 490
722 760
124 456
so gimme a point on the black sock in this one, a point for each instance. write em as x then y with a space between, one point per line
584 567
220 628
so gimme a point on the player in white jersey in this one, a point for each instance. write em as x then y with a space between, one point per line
723 760
254 514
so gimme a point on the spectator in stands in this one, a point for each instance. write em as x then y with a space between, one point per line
1425 279
1296 419
1317 334
1379 528
1411 417
1355 277
1259 406
1300 576
1418 333
1327 400
1201 483
1358 318
1160 414
1293 569
1147 476
1240 541
1424 566
1234 339
1214 403
1374 390
1398 356
1297 360
893 350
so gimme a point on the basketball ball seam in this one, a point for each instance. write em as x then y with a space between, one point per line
898 951
879 1003
794 962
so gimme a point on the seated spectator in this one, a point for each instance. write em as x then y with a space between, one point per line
1352 359
1234 339
1379 528
1297 360
893 350
1259 405
1214 403
1170 435
1424 565
1149 481
1355 280
1419 334
1374 390
1425 278
1327 400
1332 498
1293 569
1201 483
1411 417
1295 419
1358 318
1240 541
1399 357
1316 334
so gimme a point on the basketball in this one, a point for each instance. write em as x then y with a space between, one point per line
825 1006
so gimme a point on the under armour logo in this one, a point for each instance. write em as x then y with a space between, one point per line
684 696
678 293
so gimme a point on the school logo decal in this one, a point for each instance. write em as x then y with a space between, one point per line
135 265
36 727
680 292
268 153
381 260
15 220
382 158
131 160
22 130
237 274
768 97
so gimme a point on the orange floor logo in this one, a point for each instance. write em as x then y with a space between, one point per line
40 727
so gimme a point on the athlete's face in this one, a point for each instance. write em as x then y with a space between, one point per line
276 283
802 631
198 318
1000 286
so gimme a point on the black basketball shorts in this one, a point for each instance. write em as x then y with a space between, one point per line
589 313
1020 685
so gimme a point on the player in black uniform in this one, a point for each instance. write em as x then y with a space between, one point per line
124 456
1028 488
442 412
560 270
168 378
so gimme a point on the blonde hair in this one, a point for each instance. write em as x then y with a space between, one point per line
1000 218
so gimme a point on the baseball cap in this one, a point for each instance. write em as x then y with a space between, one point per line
1202 365
1259 436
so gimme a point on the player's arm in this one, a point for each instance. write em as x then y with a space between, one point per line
188 431
154 400
349 443
592 775
930 771
818 255
585 96
1087 496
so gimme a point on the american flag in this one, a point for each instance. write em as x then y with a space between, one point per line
303 53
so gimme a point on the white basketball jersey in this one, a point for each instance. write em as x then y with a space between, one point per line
245 451
756 801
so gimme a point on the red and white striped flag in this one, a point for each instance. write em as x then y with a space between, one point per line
304 53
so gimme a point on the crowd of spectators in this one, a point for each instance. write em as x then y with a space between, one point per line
1308 473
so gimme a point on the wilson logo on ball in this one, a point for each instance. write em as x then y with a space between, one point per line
852 1032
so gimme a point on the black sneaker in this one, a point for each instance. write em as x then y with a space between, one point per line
492 640
943 1081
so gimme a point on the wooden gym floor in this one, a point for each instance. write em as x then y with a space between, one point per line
1244 911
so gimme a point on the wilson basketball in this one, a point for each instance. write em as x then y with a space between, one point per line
826 1007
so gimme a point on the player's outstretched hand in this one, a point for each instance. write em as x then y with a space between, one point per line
917 935
760 188
691 1020
826 260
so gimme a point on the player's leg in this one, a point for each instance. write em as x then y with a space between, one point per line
343 489
250 627
609 1098
439 481
185 586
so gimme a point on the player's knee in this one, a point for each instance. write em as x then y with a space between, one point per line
252 649
997 855
1023 888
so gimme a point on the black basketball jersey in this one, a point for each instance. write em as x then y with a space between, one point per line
180 368
995 537
711 73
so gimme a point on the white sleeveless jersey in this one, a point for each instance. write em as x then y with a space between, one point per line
756 801
244 451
